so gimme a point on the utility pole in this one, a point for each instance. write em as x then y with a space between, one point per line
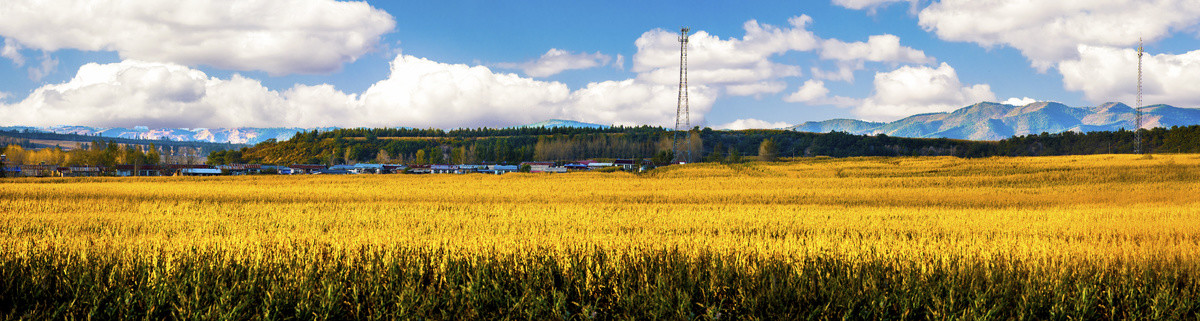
682 114
1137 144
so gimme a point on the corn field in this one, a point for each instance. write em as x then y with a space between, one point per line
1076 237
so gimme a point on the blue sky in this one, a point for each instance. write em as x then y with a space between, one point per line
422 63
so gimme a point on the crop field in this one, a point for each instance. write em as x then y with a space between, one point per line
1077 237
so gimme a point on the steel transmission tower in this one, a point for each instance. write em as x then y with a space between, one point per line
683 119
1137 144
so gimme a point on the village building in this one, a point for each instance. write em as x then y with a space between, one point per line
240 169
443 169
626 164
595 165
394 169
306 168
366 168
198 172
140 170
501 169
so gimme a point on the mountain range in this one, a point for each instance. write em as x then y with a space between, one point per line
982 121
994 121
241 135
213 135
553 123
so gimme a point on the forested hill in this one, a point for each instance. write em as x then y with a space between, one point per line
512 145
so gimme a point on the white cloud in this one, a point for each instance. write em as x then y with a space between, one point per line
878 48
43 69
4 96
813 92
1047 32
845 72
619 63
756 89
1020 101
276 36
869 4
418 93
751 123
11 51
1110 74
810 91
556 61
713 61
634 102
914 90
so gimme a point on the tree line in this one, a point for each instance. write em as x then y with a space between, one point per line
98 153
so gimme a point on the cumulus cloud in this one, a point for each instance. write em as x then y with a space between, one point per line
869 4
1047 32
751 123
418 93
756 89
11 51
43 69
844 72
1110 74
556 61
619 63
813 92
914 90
878 48
732 62
276 36
810 91
1020 101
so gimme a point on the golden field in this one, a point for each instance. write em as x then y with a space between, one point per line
1041 238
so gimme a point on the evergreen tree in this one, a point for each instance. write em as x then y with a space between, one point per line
715 156
734 156
152 156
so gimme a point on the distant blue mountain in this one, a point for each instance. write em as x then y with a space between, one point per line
243 135
213 135
994 121
553 123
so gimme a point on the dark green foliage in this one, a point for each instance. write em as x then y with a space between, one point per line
565 144
663 157
318 282
734 156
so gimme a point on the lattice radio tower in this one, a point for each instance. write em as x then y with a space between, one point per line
1137 144
683 119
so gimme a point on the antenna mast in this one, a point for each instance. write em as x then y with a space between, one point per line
683 117
1137 144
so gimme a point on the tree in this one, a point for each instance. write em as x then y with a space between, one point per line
458 155
715 156
351 156
421 159
767 151
382 157
152 156
436 156
734 156
663 157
